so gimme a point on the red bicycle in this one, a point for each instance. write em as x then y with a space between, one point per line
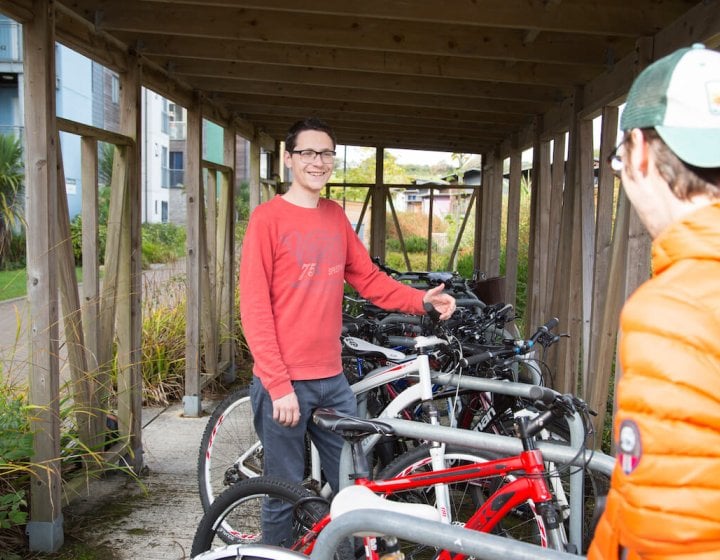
509 495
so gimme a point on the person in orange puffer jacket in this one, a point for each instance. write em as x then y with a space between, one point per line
664 499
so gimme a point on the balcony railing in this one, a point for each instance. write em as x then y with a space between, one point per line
10 42
13 130
176 177
177 130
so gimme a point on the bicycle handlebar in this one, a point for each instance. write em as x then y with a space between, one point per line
518 349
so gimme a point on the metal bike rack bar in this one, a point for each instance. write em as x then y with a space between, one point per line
482 546
562 454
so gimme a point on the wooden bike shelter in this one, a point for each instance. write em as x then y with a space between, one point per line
587 249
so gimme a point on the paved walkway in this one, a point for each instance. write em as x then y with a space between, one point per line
15 324
155 517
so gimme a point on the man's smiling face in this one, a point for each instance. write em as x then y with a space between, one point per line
310 176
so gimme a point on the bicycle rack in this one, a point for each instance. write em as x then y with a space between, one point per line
483 546
563 454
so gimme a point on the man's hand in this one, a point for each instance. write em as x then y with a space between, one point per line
286 410
443 303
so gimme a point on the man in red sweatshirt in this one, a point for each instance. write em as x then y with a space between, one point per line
298 252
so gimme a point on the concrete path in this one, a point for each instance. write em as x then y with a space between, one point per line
155 517
15 323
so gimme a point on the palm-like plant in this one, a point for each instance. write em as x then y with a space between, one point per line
11 190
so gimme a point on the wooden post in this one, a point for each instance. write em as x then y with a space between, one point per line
207 245
532 290
513 227
556 197
82 386
494 215
429 229
587 238
546 272
226 313
91 272
478 234
45 528
129 284
378 212
254 172
193 185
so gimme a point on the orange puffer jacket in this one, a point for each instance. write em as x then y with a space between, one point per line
664 500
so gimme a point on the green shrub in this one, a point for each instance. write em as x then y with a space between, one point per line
15 256
162 243
76 238
16 443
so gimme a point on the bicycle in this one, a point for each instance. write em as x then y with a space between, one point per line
519 483
230 450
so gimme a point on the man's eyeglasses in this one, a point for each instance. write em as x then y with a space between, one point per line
615 161
308 156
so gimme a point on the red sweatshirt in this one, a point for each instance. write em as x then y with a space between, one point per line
292 271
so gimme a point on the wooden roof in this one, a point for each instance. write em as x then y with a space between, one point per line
449 75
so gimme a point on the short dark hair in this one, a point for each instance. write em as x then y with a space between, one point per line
685 180
308 123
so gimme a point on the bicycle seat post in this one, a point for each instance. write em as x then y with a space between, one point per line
361 468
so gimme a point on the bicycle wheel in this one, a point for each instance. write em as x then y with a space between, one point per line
235 515
230 450
522 523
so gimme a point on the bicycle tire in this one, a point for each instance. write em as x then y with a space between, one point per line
234 516
229 435
523 523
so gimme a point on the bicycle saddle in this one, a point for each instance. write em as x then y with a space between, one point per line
349 426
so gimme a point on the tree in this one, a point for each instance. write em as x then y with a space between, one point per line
12 191
105 163
364 173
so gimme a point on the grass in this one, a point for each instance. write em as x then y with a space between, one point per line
13 283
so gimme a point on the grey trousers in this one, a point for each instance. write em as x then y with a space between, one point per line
284 448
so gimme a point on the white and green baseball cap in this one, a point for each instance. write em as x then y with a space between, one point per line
679 96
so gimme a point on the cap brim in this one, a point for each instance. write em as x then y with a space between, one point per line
696 146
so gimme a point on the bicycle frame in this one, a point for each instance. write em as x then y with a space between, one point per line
532 486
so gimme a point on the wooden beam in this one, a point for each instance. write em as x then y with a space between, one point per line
45 527
129 283
248 74
378 210
603 19
445 66
194 224
91 272
254 172
82 385
98 134
513 227
226 249
357 32
555 210
602 339
586 232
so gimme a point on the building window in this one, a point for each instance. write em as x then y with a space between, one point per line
177 169
165 181
165 118
177 122
114 89
164 216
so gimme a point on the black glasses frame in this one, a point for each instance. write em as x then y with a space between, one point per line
326 156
